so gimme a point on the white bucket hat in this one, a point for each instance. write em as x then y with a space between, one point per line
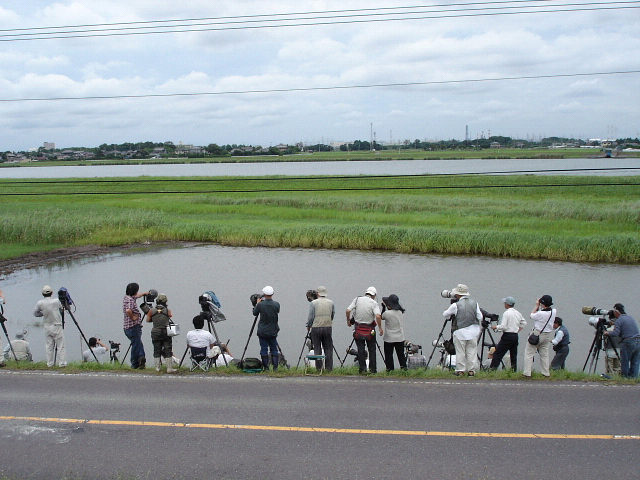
461 290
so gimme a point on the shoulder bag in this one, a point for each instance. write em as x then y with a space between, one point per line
535 339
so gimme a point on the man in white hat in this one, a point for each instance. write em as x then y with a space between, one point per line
319 325
365 313
465 338
50 309
20 348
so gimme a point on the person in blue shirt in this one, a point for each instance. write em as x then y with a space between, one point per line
627 329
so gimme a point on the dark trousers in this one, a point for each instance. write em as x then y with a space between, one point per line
323 341
134 334
508 343
558 360
389 347
371 347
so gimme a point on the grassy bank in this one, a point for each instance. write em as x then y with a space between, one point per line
420 373
559 218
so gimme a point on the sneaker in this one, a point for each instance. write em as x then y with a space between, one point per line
142 362
458 374
471 373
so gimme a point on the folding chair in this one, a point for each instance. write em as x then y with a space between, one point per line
199 359
312 358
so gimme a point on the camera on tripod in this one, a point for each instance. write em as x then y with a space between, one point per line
255 297
210 306
312 295
147 300
598 322
65 298
487 318
114 347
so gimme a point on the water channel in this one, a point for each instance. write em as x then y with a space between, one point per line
629 166
97 285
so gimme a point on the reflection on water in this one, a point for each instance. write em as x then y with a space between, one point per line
97 285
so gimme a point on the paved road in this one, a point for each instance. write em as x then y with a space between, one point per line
159 427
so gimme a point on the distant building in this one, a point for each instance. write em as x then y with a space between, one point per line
49 145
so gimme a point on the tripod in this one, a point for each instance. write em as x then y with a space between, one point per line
437 342
66 302
6 334
308 337
597 345
482 343
351 345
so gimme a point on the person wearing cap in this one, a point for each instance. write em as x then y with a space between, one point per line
560 344
627 329
365 313
132 324
160 315
97 347
50 309
393 318
510 325
543 316
465 338
268 309
20 348
319 326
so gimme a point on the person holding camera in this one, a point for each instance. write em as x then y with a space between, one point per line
364 312
319 326
626 328
393 318
50 309
160 316
132 324
560 344
510 325
465 338
97 347
268 310
543 316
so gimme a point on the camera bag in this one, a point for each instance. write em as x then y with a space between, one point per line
364 331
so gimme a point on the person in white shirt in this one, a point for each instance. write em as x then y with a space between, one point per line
510 325
366 314
465 338
543 316
97 347
49 309
200 338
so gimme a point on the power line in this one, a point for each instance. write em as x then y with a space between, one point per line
334 20
310 89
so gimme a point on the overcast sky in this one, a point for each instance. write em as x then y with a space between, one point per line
315 56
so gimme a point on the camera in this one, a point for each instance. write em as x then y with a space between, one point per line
311 295
210 306
354 352
148 299
255 297
597 311
64 297
487 318
413 348
115 347
447 294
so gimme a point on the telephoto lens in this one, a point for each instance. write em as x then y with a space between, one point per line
446 294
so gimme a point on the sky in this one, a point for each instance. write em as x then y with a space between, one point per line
439 56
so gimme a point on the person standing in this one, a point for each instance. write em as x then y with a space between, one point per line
132 324
320 327
626 328
560 342
268 309
366 314
465 338
543 316
50 309
393 318
510 325
160 316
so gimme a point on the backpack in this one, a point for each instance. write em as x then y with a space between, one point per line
250 364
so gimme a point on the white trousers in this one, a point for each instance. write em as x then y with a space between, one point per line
544 350
466 354
54 338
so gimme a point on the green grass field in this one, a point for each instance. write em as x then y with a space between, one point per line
539 217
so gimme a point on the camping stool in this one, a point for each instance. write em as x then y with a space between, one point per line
307 362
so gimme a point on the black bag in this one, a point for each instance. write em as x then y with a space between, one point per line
449 347
250 363
533 339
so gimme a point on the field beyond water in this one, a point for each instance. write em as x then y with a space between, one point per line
579 219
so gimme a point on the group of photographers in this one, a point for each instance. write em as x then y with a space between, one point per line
365 315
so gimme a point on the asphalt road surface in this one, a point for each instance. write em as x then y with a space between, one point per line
144 426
